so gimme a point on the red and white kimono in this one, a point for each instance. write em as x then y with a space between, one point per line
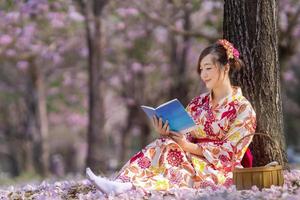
163 164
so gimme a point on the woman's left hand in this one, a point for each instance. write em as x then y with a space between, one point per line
179 138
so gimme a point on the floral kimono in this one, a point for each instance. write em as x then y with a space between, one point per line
163 164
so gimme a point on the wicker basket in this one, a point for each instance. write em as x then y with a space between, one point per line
262 177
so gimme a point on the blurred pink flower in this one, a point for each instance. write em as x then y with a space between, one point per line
56 59
134 34
136 67
12 16
125 12
22 65
115 81
178 24
161 35
296 32
83 51
121 26
75 119
11 53
67 79
5 39
76 16
57 20
289 76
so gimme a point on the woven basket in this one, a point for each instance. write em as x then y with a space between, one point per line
262 177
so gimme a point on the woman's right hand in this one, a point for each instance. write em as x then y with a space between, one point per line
162 129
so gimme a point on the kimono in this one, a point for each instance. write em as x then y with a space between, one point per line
163 164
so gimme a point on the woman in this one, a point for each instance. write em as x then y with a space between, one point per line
202 157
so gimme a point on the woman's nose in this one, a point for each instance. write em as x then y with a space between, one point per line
204 75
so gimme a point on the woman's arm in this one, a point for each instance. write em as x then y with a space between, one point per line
187 146
193 148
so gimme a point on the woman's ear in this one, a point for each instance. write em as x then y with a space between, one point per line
227 67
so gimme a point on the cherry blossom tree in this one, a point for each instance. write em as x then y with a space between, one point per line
33 41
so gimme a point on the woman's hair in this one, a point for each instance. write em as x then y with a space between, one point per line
220 55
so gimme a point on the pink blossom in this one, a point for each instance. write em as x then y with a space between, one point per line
124 12
56 58
75 119
296 32
11 53
36 48
134 34
136 67
83 51
22 65
67 79
127 76
161 35
178 24
56 19
57 23
236 53
121 26
5 40
115 81
208 5
289 76
12 16
74 15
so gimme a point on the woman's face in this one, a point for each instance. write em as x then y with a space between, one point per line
210 72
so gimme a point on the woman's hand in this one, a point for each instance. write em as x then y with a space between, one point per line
187 146
162 129
180 139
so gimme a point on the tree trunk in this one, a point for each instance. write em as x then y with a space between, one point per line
125 136
96 155
252 27
178 61
145 133
39 122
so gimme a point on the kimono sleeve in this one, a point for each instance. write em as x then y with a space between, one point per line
219 154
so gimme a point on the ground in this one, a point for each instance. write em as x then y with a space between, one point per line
82 189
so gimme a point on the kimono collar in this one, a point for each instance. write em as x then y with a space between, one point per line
236 94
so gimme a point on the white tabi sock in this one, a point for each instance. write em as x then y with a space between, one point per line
106 186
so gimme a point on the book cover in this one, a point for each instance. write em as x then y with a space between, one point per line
173 111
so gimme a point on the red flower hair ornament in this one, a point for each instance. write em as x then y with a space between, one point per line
231 51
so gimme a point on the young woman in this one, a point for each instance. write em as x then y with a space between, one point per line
202 157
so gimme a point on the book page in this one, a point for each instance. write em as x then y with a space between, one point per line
164 104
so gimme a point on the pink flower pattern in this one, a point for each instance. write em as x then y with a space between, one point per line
174 157
144 162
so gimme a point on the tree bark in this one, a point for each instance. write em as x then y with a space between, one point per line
178 60
125 135
96 155
252 26
38 125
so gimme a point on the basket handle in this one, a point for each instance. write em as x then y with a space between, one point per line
252 134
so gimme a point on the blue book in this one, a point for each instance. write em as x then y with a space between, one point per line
173 111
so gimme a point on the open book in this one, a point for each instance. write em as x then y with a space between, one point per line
173 111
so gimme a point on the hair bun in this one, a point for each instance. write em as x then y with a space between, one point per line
236 64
